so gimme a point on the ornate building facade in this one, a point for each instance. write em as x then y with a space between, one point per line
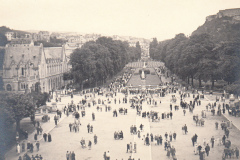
27 67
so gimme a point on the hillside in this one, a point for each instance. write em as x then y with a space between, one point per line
224 26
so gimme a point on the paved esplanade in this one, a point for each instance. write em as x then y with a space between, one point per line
105 125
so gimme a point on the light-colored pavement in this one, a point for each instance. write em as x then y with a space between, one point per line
105 126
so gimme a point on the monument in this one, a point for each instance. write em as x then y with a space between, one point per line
143 69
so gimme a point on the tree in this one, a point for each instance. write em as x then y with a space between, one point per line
153 51
39 98
97 61
138 50
18 105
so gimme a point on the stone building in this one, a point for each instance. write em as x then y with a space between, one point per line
10 35
44 36
27 67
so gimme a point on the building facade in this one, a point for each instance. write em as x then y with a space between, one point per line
10 35
27 67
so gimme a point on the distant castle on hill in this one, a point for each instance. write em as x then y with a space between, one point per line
233 13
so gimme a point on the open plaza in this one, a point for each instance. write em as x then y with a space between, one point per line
142 115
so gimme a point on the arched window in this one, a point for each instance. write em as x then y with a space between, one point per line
9 87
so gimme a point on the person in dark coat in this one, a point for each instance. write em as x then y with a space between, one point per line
35 136
160 140
165 145
207 149
73 155
128 147
31 147
174 135
45 137
26 135
95 139
37 145
237 152
212 141
201 155
90 144
23 146
28 146
49 137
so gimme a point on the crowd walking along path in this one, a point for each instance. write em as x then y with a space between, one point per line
66 139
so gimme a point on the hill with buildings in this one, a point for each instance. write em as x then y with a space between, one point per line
6 34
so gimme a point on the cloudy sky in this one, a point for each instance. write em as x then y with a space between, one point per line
140 18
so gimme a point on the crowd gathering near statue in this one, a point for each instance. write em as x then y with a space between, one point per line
202 149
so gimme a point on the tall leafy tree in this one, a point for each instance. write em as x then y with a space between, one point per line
138 50
17 105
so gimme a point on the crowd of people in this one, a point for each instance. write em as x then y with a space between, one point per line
136 103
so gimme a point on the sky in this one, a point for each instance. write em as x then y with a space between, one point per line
162 19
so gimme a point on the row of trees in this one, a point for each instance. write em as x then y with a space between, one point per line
99 60
199 57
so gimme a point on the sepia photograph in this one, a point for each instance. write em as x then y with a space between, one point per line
119 79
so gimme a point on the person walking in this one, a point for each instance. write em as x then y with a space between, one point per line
174 135
55 119
170 137
18 149
93 116
173 151
90 144
128 147
216 125
223 139
91 129
45 137
31 147
212 141
88 127
73 155
23 146
207 149
95 139
160 140
67 155
35 136
108 156
184 112
168 152
26 134
237 152
165 145
185 129
135 147
166 135
70 127
49 137
70 156
105 156
37 145
193 140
